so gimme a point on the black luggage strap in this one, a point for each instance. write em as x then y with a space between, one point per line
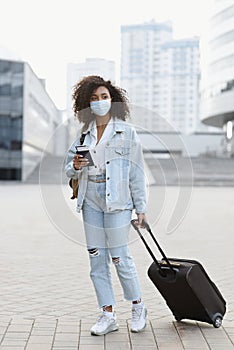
146 225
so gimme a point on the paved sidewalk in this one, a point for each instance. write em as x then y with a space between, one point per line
47 300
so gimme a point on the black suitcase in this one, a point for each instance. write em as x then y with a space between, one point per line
185 286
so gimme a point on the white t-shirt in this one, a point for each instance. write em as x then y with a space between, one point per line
97 151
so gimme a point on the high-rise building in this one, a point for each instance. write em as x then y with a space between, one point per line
161 75
178 98
28 117
217 74
141 66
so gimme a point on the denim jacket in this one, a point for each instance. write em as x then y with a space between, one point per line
125 177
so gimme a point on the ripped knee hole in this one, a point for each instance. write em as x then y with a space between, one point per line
93 251
116 261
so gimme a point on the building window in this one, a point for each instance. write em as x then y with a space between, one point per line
5 90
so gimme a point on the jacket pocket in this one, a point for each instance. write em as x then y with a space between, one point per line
122 150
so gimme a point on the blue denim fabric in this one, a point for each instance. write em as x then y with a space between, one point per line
107 238
126 184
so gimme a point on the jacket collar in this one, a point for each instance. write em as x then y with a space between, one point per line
119 126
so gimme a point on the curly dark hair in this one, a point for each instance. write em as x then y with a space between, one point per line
82 92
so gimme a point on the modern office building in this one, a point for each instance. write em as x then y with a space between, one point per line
141 67
217 74
28 117
161 75
178 98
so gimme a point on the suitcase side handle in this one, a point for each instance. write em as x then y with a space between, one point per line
146 225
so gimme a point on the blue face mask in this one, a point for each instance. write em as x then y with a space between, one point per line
100 108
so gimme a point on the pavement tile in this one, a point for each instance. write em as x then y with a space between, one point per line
167 337
67 329
230 334
18 328
143 338
12 347
38 347
42 332
164 345
65 347
92 340
117 336
66 336
3 329
136 347
91 347
118 346
13 342
40 339
191 335
15 335
66 344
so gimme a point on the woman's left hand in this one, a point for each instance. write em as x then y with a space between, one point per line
140 218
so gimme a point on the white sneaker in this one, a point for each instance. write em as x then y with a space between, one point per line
139 313
106 323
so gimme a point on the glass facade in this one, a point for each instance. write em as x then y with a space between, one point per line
11 116
28 118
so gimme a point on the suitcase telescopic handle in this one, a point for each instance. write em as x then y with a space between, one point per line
146 225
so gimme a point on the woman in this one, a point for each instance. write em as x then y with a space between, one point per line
108 192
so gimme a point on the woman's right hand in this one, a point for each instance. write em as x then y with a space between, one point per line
79 161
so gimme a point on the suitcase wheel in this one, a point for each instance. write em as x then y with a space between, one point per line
217 322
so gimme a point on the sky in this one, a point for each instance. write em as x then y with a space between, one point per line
48 34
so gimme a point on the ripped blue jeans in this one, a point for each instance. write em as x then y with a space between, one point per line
107 240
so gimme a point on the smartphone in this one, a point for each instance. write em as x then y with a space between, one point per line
84 151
